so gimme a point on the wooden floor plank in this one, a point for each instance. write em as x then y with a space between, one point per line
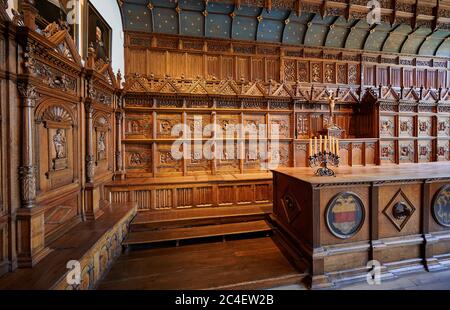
247 263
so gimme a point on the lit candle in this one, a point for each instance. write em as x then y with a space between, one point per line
325 144
320 143
337 147
315 145
310 147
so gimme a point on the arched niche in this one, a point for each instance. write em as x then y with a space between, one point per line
103 143
56 142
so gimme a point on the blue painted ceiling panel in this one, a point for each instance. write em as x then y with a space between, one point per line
294 33
252 23
221 8
218 26
244 10
197 5
136 19
191 23
165 3
270 30
244 28
275 14
166 20
316 35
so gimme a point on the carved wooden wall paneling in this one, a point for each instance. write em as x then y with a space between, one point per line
9 145
412 124
103 122
191 195
4 225
52 66
47 136
265 62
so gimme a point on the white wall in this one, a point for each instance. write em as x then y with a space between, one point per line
110 11
11 4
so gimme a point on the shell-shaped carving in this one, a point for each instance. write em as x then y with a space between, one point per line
101 121
57 114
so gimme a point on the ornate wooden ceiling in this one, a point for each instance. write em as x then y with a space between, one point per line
408 27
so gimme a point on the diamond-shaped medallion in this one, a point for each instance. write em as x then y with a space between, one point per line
399 210
290 206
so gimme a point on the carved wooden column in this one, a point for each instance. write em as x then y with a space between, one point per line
92 194
89 142
119 164
30 218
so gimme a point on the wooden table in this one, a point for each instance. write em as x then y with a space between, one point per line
397 215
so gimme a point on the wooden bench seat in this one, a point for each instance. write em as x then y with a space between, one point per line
85 242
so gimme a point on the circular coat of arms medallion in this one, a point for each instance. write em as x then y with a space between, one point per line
441 206
345 215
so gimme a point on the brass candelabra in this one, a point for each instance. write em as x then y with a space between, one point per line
325 154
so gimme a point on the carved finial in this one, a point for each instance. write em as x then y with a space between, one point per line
119 77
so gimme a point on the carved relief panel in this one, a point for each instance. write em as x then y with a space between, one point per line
103 144
228 124
165 123
303 71
342 74
165 162
229 161
406 151
279 154
138 126
405 126
442 152
200 157
252 124
330 73
138 158
283 124
255 155
301 154
353 74
57 141
387 126
425 150
197 124
424 126
302 125
387 152
443 126
316 72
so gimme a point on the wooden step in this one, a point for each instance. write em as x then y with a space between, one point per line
150 220
196 232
